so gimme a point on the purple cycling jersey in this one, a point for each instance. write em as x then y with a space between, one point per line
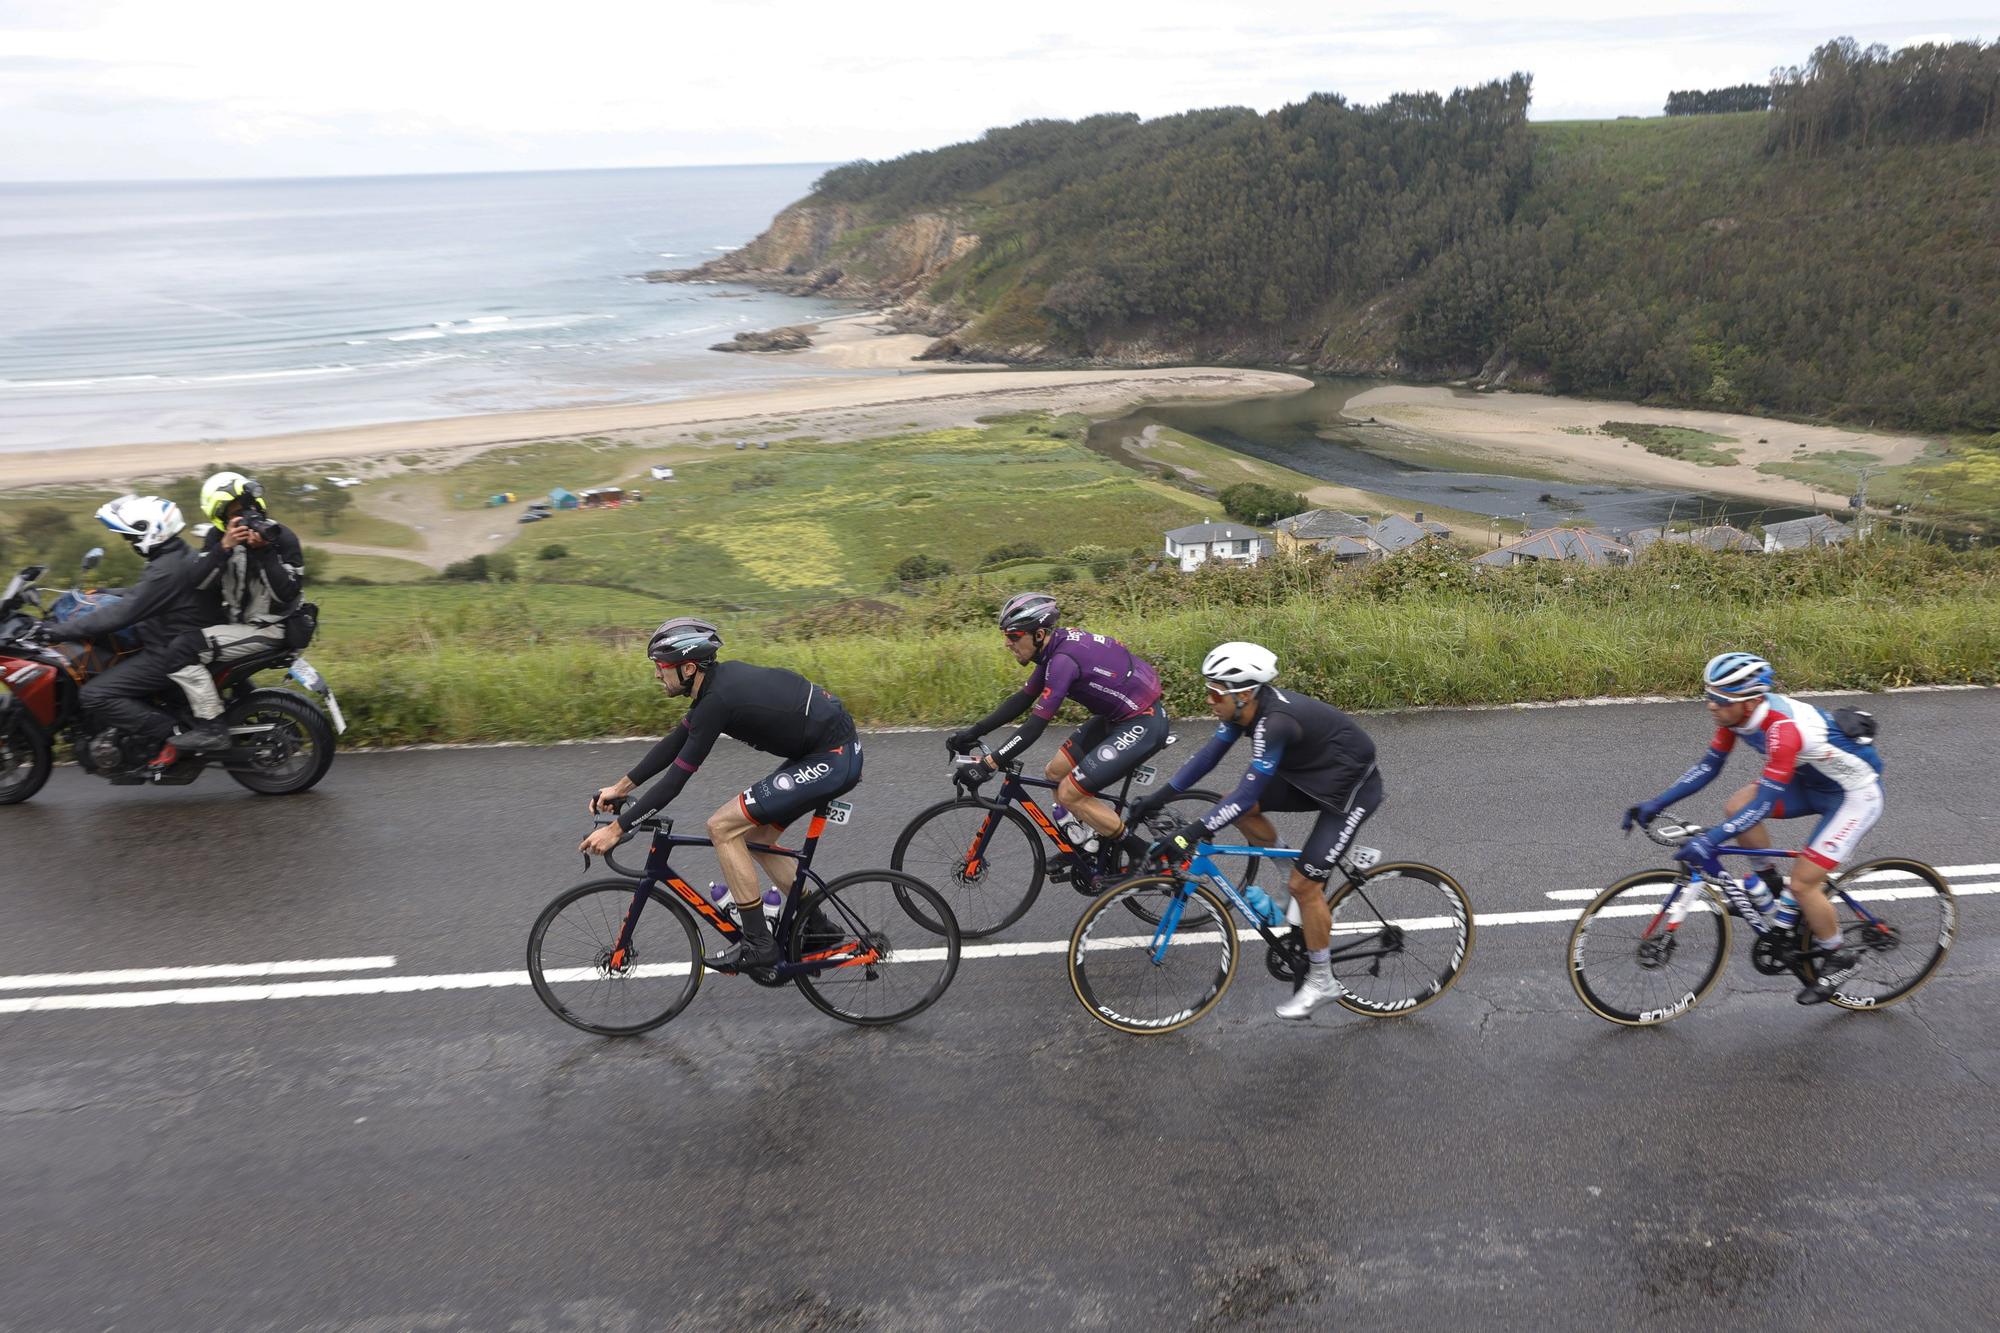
1100 673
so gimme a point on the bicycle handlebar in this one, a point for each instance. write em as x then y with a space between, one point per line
1671 835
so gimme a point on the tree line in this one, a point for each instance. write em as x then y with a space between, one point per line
1847 95
1716 101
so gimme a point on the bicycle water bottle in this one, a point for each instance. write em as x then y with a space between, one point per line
1260 902
774 902
1079 834
1787 915
1760 896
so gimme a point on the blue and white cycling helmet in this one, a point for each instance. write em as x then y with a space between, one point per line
147 521
1733 677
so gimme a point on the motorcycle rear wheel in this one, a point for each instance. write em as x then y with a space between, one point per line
295 754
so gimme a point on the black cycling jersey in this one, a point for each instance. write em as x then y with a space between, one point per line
1317 749
767 708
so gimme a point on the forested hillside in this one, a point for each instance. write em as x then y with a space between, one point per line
1833 257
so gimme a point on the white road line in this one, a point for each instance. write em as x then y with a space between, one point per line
137 976
301 990
1950 874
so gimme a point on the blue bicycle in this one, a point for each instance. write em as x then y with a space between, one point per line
1155 953
1648 948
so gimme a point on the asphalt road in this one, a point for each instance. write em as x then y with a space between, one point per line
446 1159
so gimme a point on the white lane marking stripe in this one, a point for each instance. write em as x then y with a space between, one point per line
208 972
1879 877
294 990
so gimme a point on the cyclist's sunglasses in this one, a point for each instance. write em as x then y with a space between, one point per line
1224 691
1014 634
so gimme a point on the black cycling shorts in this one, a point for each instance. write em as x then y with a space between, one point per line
1105 750
1333 832
803 785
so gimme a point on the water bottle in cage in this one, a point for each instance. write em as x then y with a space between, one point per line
1260 902
1080 835
1760 895
1787 915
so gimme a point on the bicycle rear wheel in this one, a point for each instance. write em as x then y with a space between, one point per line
1400 938
989 891
884 946
1149 980
1630 966
1903 917
575 969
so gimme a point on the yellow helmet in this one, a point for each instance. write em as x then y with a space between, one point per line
224 489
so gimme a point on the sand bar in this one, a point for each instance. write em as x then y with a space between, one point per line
1542 430
855 406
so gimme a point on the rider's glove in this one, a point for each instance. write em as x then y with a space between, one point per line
960 741
974 775
1643 813
1181 843
1146 807
1697 851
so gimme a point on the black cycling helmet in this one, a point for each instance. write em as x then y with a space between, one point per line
1029 611
684 639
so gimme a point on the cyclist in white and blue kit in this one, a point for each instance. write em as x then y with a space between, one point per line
1812 766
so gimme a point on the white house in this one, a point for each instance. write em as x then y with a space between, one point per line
662 473
1232 543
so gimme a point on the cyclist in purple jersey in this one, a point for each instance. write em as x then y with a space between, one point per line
1121 690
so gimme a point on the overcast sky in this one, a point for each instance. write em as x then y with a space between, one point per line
105 89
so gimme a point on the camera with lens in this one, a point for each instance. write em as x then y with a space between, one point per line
256 521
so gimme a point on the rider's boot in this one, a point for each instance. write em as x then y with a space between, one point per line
1831 967
205 735
1320 986
820 933
165 759
1135 845
755 949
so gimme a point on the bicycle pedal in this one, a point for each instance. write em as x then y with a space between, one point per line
1059 873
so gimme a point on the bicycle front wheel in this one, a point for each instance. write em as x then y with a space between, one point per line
1902 916
1400 938
1238 870
580 974
882 946
1159 979
1630 965
990 861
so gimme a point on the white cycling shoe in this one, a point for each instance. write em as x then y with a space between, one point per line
1320 986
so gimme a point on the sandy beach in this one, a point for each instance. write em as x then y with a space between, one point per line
840 407
1544 430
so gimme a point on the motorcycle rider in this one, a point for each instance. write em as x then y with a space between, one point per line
258 566
165 603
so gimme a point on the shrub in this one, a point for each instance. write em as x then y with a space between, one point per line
1252 502
915 568
553 551
1062 574
500 567
466 571
1013 551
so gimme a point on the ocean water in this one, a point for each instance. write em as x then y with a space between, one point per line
192 311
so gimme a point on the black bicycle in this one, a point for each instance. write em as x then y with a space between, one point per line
987 852
618 957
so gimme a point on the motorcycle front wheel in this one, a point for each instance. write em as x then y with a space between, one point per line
25 758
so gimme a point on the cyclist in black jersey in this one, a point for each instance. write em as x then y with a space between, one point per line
1305 756
779 712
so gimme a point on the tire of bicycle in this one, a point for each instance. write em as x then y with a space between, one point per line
940 927
1112 911
1192 803
660 901
1450 889
1037 859
1848 998
1711 968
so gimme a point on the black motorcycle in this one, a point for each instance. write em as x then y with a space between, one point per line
280 741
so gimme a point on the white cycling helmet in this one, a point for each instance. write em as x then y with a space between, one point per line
1240 666
1733 677
146 521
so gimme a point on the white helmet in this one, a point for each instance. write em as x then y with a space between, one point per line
146 521
1240 666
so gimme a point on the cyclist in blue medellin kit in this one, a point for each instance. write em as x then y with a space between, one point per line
1304 756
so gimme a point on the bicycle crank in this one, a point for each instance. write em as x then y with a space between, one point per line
1775 954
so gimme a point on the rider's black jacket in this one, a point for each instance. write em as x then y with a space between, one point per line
162 605
767 708
263 586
